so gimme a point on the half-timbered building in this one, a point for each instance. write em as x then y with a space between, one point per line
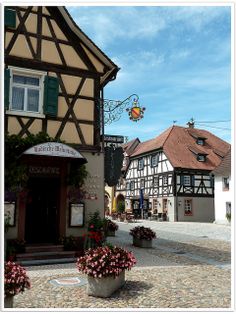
54 81
171 175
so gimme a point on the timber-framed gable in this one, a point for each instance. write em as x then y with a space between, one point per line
46 39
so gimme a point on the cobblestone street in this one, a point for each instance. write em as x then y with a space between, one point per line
188 267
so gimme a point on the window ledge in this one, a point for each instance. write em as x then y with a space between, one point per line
25 114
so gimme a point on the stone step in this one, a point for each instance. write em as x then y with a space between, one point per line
43 248
45 255
48 261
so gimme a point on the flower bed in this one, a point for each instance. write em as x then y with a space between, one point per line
105 261
16 280
143 233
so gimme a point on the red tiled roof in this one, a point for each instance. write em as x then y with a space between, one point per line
152 144
224 167
127 147
175 142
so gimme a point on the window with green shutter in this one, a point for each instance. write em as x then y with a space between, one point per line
10 17
6 88
51 90
24 89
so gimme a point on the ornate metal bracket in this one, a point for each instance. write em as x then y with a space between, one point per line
112 109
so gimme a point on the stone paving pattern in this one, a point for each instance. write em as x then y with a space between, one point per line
161 279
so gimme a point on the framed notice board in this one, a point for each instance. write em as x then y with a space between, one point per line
76 216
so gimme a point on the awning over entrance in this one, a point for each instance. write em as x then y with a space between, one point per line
54 149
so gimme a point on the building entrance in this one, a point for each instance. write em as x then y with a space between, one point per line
41 221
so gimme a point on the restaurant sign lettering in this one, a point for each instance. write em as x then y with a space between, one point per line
54 149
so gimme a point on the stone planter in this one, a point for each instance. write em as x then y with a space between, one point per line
142 243
104 287
111 233
8 302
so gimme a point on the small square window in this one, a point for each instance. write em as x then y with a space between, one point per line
187 181
201 157
200 141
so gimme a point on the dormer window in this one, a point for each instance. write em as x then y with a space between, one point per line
200 141
201 157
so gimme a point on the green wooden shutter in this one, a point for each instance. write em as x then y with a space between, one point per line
6 88
10 18
51 90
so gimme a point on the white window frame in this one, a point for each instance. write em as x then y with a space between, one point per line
225 183
187 180
154 158
165 180
142 183
188 202
200 141
30 73
155 181
201 158
141 164
132 185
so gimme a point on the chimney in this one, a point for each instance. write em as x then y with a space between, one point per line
191 123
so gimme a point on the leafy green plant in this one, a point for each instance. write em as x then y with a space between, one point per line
15 172
121 207
69 243
228 217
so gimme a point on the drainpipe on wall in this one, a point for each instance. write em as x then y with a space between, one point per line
176 197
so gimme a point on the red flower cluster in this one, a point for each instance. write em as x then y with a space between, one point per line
105 261
96 235
16 280
143 233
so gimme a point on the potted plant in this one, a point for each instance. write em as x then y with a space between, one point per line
142 236
15 281
112 227
96 231
105 268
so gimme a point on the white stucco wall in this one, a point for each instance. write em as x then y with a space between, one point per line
221 198
94 184
203 209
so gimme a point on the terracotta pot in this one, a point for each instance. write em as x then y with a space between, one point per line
105 286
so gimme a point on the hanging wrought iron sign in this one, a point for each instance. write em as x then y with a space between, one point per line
112 109
136 112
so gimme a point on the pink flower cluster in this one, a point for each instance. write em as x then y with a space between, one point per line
16 280
105 261
144 233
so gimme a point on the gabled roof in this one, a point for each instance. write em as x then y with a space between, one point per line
111 67
176 141
153 144
224 168
129 147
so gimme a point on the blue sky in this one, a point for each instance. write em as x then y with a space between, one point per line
176 58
